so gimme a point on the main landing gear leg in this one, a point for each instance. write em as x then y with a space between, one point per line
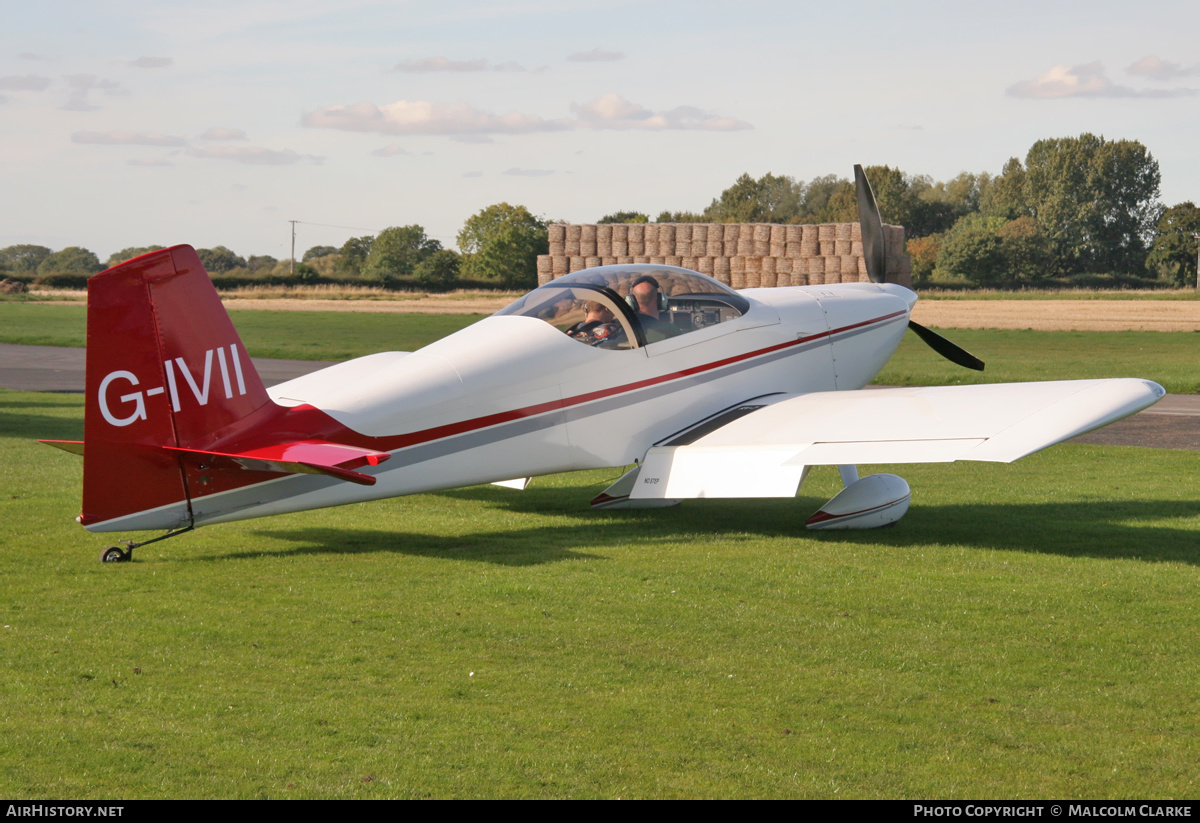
115 554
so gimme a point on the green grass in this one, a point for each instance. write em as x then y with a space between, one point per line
1026 631
1169 358
936 293
286 334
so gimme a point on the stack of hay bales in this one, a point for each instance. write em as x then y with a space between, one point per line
741 255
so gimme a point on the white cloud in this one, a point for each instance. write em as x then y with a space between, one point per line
529 172
82 85
465 122
154 163
219 133
121 137
151 62
442 64
422 117
596 55
253 155
1088 80
611 111
391 151
1158 69
24 82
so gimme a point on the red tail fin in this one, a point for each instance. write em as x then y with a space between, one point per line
165 368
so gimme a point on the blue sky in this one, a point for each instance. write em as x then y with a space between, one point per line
127 123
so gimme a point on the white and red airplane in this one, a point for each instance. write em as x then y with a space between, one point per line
705 391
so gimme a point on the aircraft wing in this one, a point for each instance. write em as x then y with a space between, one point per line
761 448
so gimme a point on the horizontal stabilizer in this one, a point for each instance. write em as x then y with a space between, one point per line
299 457
72 446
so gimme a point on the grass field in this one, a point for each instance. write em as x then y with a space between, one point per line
1027 631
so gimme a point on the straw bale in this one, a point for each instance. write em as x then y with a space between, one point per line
672 260
558 266
653 247
637 232
828 248
544 264
841 247
587 241
604 235
684 232
575 264
855 232
793 234
620 247
791 251
843 231
557 232
591 262
666 237
863 277
704 265
769 279
849 267
689 263
683 248
785 265
810 248
650 232
620 233
608 260
745 244
558 248
762 232
715 247
753 264
637 247
573 234
658 261
730 232
827 232
624 259
699 234
810 233
640 259
778 249
856 248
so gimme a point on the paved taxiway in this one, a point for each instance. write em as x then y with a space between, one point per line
1172 423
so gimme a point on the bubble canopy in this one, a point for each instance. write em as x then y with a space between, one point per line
690 301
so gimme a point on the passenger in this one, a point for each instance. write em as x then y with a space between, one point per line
647 299
598 328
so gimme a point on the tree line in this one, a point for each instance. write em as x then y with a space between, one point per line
1074 208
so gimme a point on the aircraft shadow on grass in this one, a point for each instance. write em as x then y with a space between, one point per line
1100 529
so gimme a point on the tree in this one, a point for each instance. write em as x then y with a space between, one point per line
396 251
769 199
818 192
973 250
679 217
354 255
23 259
1173 255
923 251
502 243
1095 200
220 259
257 263
438 271
71 260
625 217
319 251
130 253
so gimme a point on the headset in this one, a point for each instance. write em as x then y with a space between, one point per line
664 304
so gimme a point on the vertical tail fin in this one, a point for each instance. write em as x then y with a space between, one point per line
165 367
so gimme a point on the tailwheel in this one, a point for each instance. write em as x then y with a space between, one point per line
115 554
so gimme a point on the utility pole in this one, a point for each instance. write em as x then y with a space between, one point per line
293 222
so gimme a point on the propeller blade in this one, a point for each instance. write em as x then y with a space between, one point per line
951 351
874 253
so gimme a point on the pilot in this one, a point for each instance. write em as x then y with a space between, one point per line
598 328
647 299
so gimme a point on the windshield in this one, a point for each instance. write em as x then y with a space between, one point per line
646 303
